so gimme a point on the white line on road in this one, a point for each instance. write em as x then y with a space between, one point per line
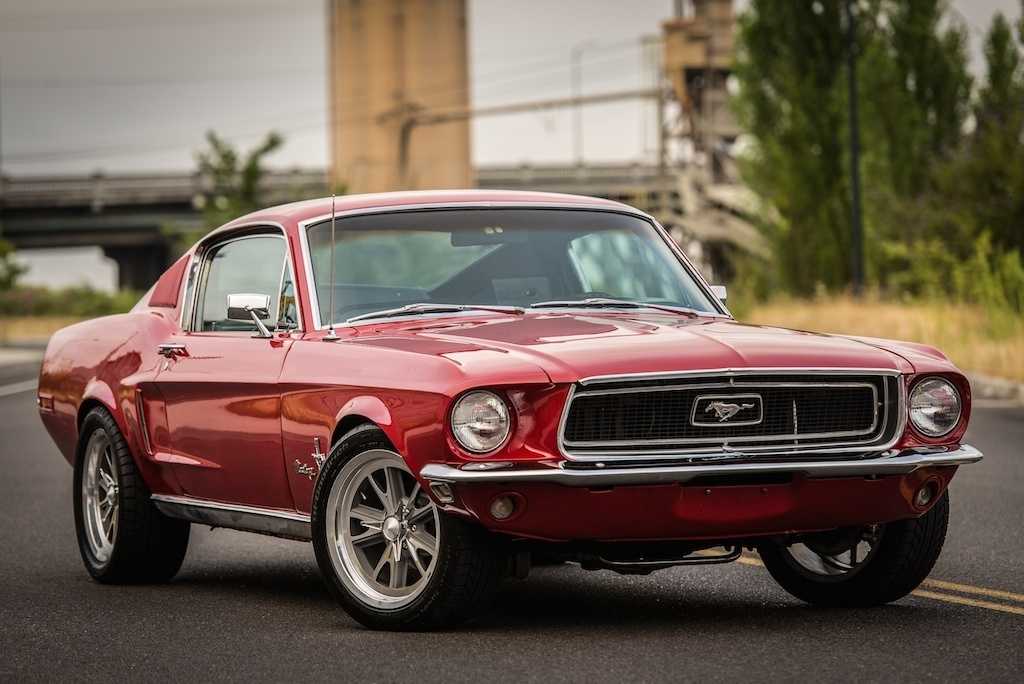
18 387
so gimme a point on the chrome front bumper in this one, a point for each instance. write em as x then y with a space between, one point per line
898 464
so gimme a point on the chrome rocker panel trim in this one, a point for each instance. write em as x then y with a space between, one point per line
905 462
277 523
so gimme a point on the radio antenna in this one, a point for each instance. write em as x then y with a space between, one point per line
331 335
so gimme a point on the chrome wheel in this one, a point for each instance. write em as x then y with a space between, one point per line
100 502
383 530
837 556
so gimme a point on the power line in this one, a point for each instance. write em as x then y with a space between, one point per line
313 73
132 149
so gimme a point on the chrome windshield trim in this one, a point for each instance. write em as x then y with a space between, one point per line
899 464
773 445
314 304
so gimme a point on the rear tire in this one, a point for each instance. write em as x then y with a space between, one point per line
906 552
448 570
122 537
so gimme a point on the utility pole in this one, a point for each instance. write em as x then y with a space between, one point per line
1 145
576 76
856 228
3 188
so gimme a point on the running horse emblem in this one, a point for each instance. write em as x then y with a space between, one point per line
724 411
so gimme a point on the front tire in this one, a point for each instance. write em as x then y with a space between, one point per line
860 568
391 558
122 537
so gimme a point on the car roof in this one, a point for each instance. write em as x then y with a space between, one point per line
297 212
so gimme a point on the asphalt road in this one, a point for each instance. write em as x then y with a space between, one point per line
247 607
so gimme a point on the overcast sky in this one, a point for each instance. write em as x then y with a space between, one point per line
132 85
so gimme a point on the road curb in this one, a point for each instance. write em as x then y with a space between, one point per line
987 387
38 344
14 356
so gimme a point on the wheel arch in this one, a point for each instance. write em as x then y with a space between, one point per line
97 394
363 410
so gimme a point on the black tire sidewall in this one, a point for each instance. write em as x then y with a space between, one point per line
909 549
149 546
94 422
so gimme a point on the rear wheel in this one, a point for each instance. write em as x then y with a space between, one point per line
389 555
121 536
860 567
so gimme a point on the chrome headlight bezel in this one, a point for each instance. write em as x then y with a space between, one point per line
916 401
462 418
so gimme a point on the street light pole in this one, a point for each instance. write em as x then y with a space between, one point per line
856 227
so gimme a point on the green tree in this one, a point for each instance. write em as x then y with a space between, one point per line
233 179
986 185
792 102
915 95
916 89
10 269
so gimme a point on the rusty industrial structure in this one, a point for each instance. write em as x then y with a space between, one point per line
698 55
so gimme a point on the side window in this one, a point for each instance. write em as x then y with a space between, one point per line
287 306
248 265
619 264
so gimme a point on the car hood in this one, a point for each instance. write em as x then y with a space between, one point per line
573 346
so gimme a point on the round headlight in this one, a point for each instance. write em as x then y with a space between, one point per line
480 421
934 407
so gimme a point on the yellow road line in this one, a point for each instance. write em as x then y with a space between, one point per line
948 598
969 589
963 600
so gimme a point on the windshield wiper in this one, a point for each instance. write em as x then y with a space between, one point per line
609 303
432 308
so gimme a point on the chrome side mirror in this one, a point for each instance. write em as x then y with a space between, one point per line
719 291
250 307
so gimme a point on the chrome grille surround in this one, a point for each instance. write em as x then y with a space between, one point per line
886 429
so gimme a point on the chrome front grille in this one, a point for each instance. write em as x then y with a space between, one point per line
736 412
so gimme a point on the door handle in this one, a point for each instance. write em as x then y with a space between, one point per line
171 349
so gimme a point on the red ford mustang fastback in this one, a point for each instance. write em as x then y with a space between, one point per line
435 388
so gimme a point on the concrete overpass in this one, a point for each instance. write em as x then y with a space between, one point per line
134 218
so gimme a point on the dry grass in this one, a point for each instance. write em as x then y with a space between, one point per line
968 335
28 329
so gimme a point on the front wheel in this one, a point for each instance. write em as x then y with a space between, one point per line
391 558
860 567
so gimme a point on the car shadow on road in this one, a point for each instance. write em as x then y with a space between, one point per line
563 599
566 598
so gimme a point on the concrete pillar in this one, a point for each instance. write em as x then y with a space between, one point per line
139 266
388 59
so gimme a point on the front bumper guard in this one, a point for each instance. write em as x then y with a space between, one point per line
899 464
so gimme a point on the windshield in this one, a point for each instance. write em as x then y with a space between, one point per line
495 257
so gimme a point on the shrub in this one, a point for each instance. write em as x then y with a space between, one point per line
79 301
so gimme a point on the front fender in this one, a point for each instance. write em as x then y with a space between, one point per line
371 408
